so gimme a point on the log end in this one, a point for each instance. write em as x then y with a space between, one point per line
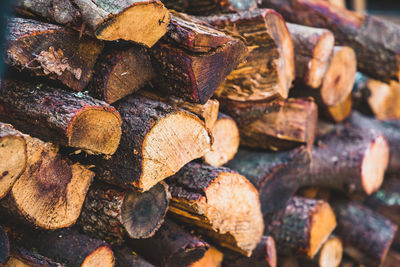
212 258
102 256
331 253
4 247
339 112
142 23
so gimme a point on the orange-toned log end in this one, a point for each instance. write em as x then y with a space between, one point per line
102 256
331 253
13 157
212 258
226 141
339 112
143 22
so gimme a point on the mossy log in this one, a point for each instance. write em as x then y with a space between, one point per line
220 203
61 117
330 254
143 22
4 246
125 256
205 7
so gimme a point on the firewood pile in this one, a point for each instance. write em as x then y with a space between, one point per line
121 123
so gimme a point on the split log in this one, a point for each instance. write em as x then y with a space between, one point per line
143 22
269 69
212 258
126 257
330 254
220 203
120 72
339 112
166 138
276 175
302 227
51 191
205 7
4 246
62 117
226 141
274 125
52 51
375 41
112 214
366 234
174 246
13 157
20 257
313 48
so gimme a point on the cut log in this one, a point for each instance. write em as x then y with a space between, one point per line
339 112
264 255
174 246
52 51
20 257
205 7
276 175
269 69
62 117
165 139
302 227
51 191
226 141
112 214
330 254
126 257
120 72
366 234
338 3
212 258
274 125
220 203
392 259
143 22
375 41
13 157
4 246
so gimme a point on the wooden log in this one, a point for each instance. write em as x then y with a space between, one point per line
205 7
4 246
20 257
108 20
174 246
375 41
13 157
276 175
166 138
269 69
62 117
112 214
330 254
302 227
274 125
339 112
220 203
366 234
392 259
226 141
51 191
127 257
212 258
52 51
338 3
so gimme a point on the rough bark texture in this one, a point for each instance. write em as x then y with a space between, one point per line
113 214
13 157
20 257
174 246
143 22
365 231
276 175
269 69
302 227
330 254
127 257
62 117
339 112
51 191
205 7
375 41
274 125
48 50
220 203
165 139
4 246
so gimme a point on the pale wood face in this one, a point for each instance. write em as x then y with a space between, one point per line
331 253
102 256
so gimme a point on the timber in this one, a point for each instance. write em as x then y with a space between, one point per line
51 191
127 257
65 118
274 125
143 22
52 51
212 258
13 157
302 227
20 257
4 246
174 246
112 214
330 254
269 69
220 203
206 7
338 113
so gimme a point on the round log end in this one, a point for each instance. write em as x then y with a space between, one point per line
331 253
212 258
102 256
96 130
143 213
4 247
339 112
143 23
374 165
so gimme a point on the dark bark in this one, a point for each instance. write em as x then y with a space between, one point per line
4 246
205 7
62 117
127 257
22 257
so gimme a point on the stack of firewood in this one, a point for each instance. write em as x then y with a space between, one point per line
121 123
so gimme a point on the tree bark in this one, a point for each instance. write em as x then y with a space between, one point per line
269 69
4 246
375 41
52 51
62 117
220 203
112 214
205 7
392 259
126 257
330 254
13 157
20 257
108 20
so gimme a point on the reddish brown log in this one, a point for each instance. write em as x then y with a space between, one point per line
4 246
205 7
127 257
392 259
